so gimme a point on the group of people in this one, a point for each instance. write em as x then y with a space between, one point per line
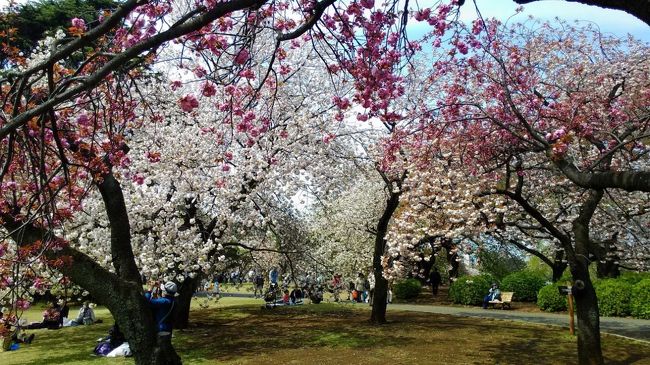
54 317
311 285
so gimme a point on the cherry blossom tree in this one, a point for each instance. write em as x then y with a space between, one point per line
80 112
533 112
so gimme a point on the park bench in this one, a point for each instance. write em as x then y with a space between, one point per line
506 299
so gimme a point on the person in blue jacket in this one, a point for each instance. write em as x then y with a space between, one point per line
163 306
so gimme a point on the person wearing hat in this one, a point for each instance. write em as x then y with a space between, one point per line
163 306
493 294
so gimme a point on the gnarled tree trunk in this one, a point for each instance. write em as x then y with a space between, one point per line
378 315
121 292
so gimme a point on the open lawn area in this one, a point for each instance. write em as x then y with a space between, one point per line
238 331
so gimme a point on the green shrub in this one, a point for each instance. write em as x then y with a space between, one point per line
407 289
470 290
613 297
640 300
633 277
525 284
550 299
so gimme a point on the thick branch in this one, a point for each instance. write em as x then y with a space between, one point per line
638 8
319 9
626 180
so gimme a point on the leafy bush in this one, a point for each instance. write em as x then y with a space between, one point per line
640 300
407 289
525 284
634 277
550 299
613 297
470 290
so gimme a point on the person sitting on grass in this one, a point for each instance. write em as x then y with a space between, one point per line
11 335
296 296
493 294
286 297
86 315
51 318
107 344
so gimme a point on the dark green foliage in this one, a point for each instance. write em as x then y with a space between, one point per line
613 297
470 290
525 284
33 21
550 299
407 289
640 300
633 277
499 263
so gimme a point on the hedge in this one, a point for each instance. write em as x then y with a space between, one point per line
525 285
613 297
640 300
470 290
633 277
407 289
550 299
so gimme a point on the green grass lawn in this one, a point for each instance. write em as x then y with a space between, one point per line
238 331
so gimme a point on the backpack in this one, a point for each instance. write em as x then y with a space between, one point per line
103 348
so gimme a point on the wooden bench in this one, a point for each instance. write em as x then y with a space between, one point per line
506 299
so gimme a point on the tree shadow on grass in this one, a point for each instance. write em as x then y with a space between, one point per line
226 334
525 344
231 333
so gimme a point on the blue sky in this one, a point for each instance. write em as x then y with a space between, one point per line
609 21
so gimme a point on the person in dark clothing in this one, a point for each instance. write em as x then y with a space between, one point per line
296 296
65 311
258 285
434 280
493 294
107 344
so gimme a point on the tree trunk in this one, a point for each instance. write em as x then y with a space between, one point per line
184 301
378 315
133 315
452 258
589 350
607 264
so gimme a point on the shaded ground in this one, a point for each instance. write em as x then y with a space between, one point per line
338 334
335 334
629 327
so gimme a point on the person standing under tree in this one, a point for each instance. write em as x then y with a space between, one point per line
258 284
434 280
161 300
273 276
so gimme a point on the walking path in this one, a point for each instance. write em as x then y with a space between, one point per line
638 329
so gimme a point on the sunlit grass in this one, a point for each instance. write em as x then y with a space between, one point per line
239 331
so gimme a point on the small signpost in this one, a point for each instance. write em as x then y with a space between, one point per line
566 290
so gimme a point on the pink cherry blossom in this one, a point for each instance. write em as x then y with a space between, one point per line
188 103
